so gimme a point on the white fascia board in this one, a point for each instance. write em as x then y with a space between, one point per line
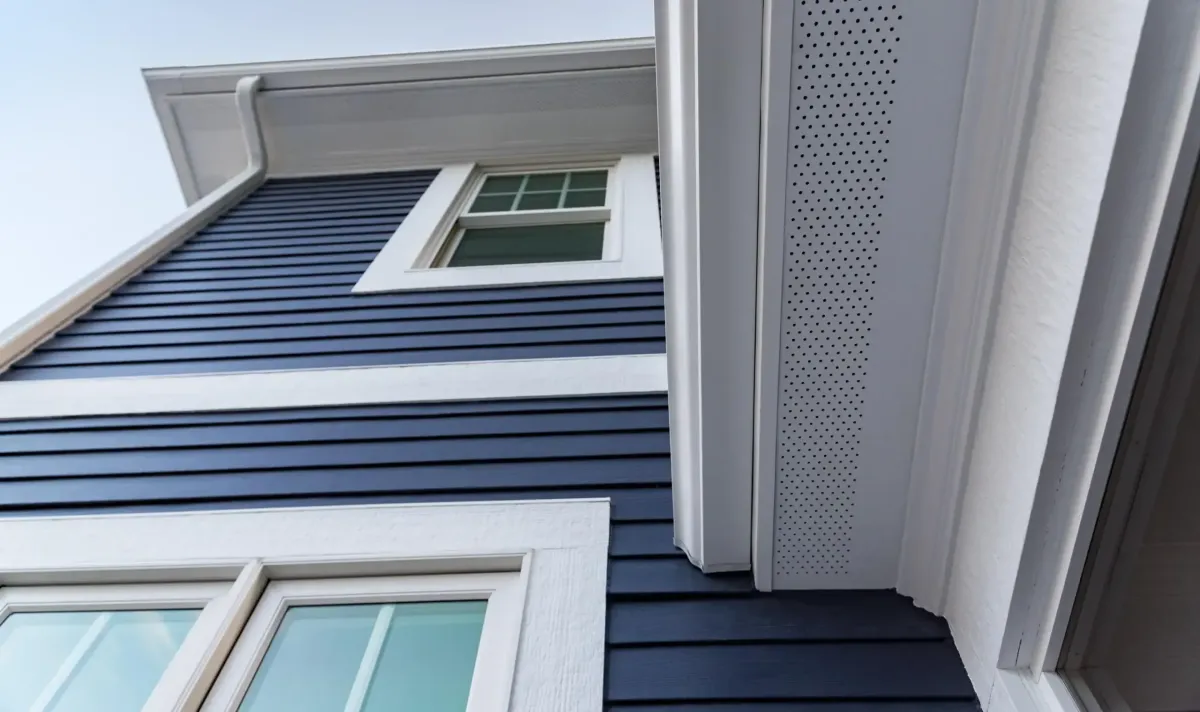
415 67
709 78
471 380
41 324
425 110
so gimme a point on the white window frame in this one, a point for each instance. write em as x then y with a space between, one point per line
494 662
632 238
106 599
443 248
556 549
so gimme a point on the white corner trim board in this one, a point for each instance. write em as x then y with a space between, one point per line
23 336
632 249
558 548
470 380
1003 68
709 76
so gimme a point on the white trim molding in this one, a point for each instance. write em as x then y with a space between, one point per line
409 111
38 326
777 74
468 380
632 241
557 549
1006 52
1090 212
709 96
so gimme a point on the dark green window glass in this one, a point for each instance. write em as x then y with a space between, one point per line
529 244
541 191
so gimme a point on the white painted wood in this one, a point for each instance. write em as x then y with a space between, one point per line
26 334
498 642
403 111
1000 87
633 244
560 546
414 240
709 97
470 380
1015 692
1134 237
187 680
776 80
1067 162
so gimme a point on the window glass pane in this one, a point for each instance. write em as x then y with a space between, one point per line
538 201
382 657
428 658
492 203
542 182
584 199
588 180
523 245
502 184
87 661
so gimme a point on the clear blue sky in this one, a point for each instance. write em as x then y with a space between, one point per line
84 171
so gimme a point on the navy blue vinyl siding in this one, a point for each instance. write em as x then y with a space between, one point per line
267 286
678 641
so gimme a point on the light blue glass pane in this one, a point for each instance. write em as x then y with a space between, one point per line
428 658
312 660
117 670
121 668
32 648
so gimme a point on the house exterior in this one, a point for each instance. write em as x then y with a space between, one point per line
775 363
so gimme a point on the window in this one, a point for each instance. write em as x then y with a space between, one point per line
522 218
98 648
431 643
321 609
494 225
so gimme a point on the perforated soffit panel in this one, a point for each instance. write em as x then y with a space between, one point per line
876 93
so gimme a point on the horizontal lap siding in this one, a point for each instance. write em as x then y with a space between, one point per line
267 286
679 641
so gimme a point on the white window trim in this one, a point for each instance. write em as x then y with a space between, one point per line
209 597
495 661
632 249
560 547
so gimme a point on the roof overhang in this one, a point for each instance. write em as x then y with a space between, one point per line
379 113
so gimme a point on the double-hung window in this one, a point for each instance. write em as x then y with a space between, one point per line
564 221
522 218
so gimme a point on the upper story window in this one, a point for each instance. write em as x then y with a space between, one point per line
518 224
534 217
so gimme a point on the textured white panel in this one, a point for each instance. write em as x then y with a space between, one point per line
871 137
